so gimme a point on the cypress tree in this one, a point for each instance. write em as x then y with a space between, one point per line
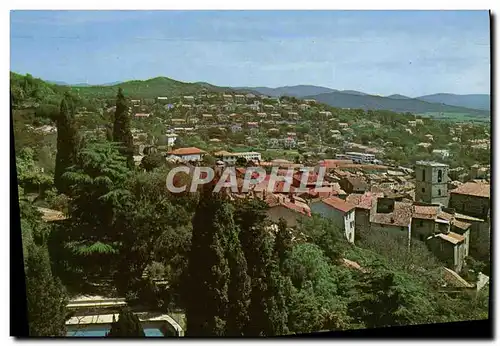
45 295
128 325
239 285
208 269
267 312
67 142
282 244
121 129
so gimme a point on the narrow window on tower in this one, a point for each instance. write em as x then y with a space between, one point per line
423 174
440 176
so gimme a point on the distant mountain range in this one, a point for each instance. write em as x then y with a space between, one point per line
298 91
396 103
476 101
478 104
82 84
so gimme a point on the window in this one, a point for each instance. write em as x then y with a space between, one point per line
423 189
439 192
352 224
440 176
423 174
421 223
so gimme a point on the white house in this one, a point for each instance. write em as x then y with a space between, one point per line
162 99
289 142
254 107
188 154
340 212
230 158
443 153
236 128
171 137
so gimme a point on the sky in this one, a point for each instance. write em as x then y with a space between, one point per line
413 53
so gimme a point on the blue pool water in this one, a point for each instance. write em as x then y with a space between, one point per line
101 330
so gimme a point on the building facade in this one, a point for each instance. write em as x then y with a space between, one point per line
431 184
340 212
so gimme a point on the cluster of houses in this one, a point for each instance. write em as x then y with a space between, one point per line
362 198
233 113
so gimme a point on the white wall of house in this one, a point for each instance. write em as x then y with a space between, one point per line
192 157
344 221
171 140
291 217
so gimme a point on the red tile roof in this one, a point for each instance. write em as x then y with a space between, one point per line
363 201
425 212
451 237
401 216
473 189
338 204
334 163
460 224
311 178
445 216
322 192
187 151
296 208
273 200
367 167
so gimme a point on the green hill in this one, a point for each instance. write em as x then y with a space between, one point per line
151 88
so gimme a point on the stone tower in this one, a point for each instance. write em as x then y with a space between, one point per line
431 184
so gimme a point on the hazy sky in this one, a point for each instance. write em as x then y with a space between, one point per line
380 52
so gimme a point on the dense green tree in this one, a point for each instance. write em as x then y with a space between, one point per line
326 235
29 175
97 194
67 142
282 243
121 129
46 297
147 218
239 284
208 269
128 325
152 161
267 310
320 294
387 298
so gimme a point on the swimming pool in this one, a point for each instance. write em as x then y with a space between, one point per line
100 330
